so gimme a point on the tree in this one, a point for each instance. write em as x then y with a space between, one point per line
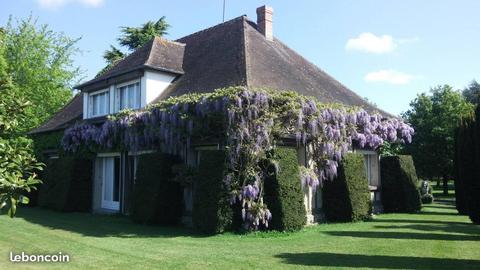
39 63
434 118
17 162
472 93
133 38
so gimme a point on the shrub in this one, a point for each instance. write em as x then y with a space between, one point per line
67 184
211 211
464 165
467 164
474 204
156 198
347 197
283 192
399 185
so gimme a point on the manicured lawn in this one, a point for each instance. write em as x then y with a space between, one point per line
435 239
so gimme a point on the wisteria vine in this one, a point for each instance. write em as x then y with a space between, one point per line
249 123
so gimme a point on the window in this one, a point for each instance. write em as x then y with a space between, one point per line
98 103
127 97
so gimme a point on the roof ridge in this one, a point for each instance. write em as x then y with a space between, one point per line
78 95
212 27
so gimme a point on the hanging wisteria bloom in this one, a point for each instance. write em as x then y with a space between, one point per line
249 123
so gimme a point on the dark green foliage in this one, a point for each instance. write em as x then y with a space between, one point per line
67 184
464 164
46 142
467 167
434 117
474 204
399 185
347 198
211 206
283 192
156 198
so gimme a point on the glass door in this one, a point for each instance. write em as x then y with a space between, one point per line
110 173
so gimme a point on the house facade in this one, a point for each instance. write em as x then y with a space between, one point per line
239 52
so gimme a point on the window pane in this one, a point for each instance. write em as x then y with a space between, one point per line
116 180
108 180
131 96
138 91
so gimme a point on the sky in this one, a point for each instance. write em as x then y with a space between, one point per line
385 51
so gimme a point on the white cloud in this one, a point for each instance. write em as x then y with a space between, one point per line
54 4
390 76
370 43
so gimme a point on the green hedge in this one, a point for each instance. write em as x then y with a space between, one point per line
399 185
67 184
211 206
347 198
283 193
466 165
156 199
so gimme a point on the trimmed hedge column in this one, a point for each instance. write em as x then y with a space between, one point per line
283 193
211 211
347 198
399 185
156 199
67 184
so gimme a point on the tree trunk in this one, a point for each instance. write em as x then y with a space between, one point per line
438 182
445 185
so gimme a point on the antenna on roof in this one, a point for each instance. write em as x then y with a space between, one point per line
223 20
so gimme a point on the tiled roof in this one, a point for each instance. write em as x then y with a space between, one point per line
233 53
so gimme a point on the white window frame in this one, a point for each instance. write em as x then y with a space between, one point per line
90 102
117 96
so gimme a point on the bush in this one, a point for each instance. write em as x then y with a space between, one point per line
211 211
347 198
399 185
474 205
467 164
67 184
283 192
156 198
464 165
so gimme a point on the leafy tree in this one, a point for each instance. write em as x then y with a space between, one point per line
39 63
17 162
133 38
472 93
434 118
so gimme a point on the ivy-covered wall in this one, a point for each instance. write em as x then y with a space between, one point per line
156 198
347 197
212 212
283 192
399 184
67 184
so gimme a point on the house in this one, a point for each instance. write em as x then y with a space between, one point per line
238 52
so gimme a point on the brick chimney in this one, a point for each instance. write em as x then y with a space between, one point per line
265 21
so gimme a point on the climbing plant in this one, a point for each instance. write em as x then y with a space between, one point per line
249 123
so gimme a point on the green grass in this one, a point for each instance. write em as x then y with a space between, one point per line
437 238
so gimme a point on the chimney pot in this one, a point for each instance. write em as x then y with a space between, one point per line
265 21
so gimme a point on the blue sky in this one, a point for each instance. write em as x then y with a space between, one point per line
386 51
